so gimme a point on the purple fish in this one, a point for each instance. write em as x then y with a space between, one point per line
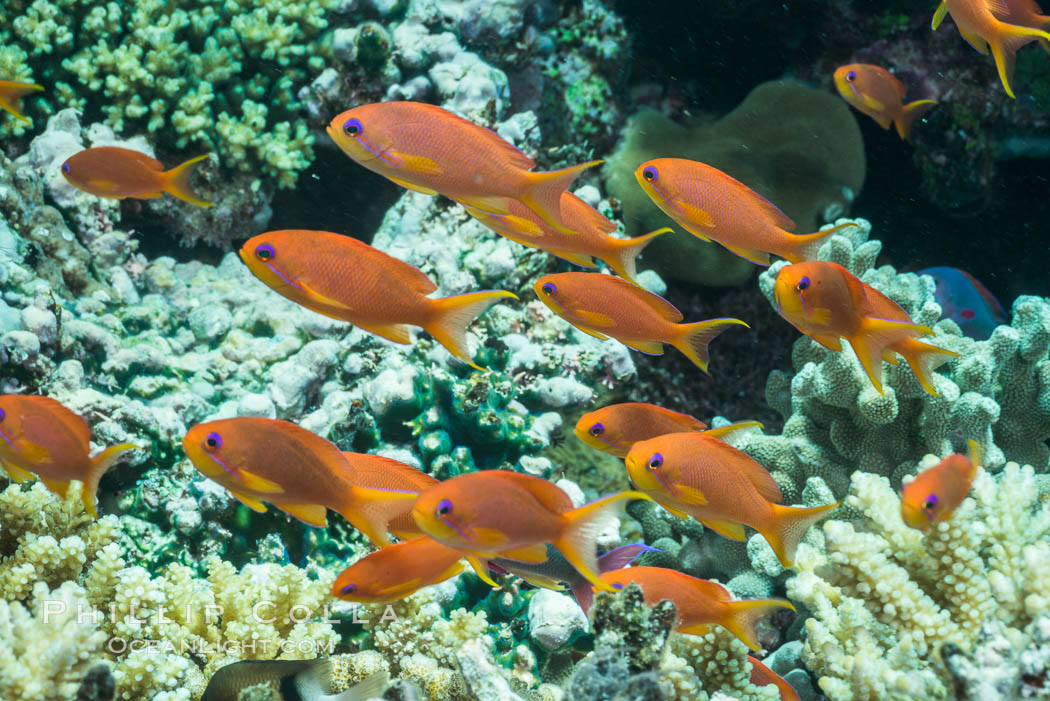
967 302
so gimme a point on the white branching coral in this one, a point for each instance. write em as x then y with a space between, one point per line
885 599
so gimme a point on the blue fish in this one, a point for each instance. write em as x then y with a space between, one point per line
967 302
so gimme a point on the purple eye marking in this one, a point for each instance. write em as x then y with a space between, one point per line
349 588
265 252
352 127
444 508
650 174
617 586
3 415
549 289
851 76
802 284
930 504
656 461
65 168
597 430
213 441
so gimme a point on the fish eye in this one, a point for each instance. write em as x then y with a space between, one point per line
444 508
650 174
349 589
597 430
352 127
851 76
66 168
549 289
617 586
3 414
213 441
930 504
656 461
265 252
802 284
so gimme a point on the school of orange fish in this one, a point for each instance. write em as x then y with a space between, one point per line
504 522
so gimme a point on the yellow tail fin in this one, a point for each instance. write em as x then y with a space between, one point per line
742 616
99 465
923 359
909 113
11 94
1004 48
577 541
450 317
544 190
789 524
178 182
692 339
625 251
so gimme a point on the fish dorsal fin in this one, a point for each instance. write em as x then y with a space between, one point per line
48 409
413 278
999 8
375 471
550 495
660 305
586 213
485 136
747 466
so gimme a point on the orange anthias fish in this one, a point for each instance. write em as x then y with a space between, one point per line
590 241
827 302
496 513
39 435
877 93
604 306
698 475
346 279
713 206
935 494
397 571
615 428
11 94
116 173
699 603
431 150
996 24
762 675
376 472
297 471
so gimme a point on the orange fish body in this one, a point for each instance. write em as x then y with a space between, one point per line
604 306
762 675
715 207
397 571
116 173
376 472
993 23
935 493
11 94
590 241
269 460
346 279
615 428
40 436
877 93
431 150
694 474
511 515
698 602
826 302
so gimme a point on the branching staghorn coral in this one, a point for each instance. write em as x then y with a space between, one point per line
886 599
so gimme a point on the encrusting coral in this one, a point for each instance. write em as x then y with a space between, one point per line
885 600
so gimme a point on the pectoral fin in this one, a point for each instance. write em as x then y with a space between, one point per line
310 514
420 165
17 474
696 217
481 569
690 495
258 484
33 452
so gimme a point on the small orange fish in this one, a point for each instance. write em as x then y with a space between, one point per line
346 279
495 513
991 23
713 206
116 173
615 428
590 241
376 472
39 435
297 471
431 150
762 675
698 602
698 475
877 93
604 306
397 571
935 493
11 94
827 302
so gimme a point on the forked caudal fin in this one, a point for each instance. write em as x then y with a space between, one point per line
543 193
577 541
804 247
99 465
742 616
625 251
692 339
789 524
450 317
909 113
178 182
1004 48
923 359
